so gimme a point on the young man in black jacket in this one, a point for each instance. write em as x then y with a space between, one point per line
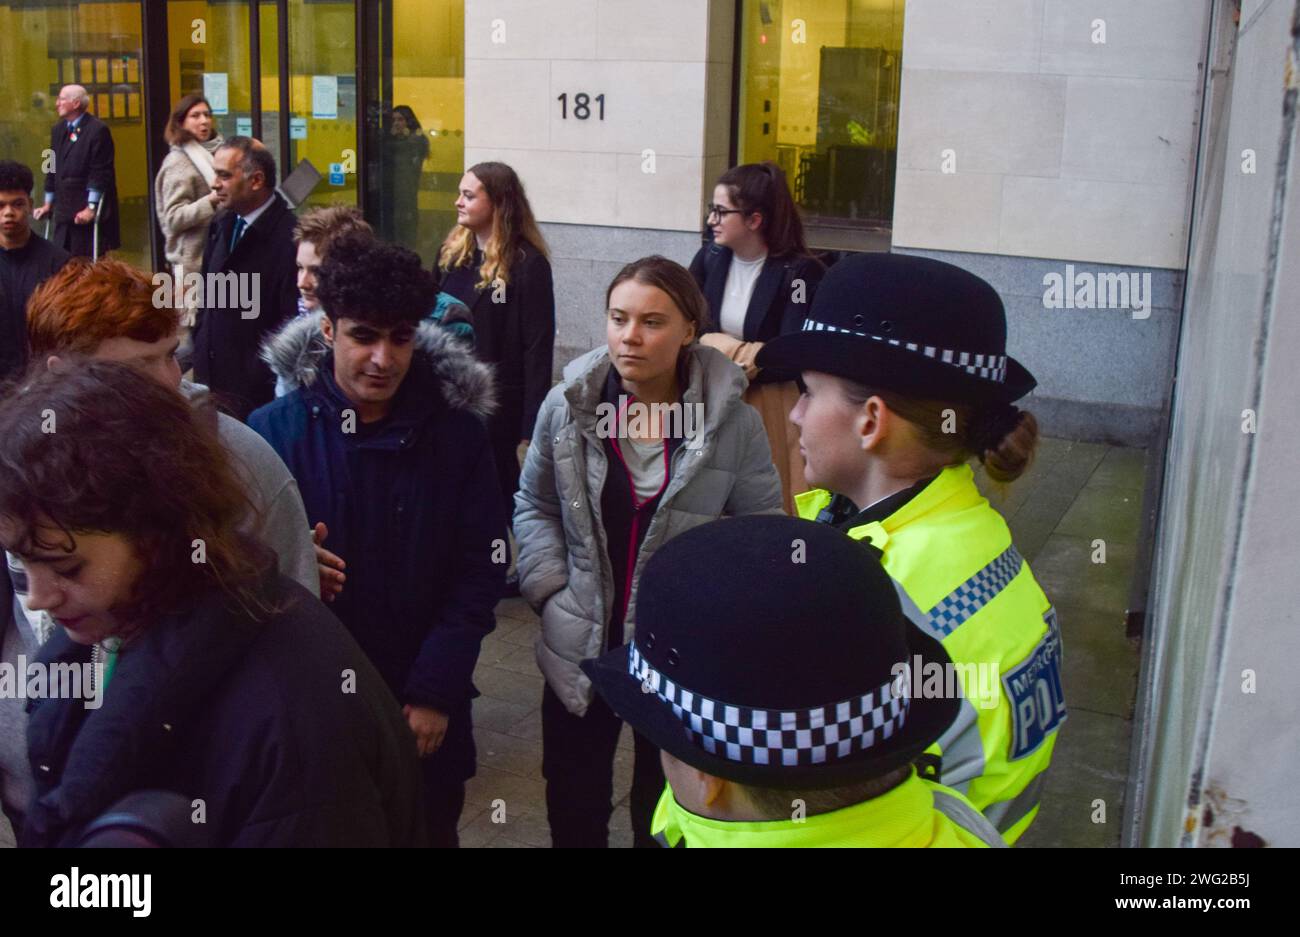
384 433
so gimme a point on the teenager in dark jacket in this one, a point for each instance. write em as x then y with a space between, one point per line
759 281
232 685
26 261
252 237
494 261
384 433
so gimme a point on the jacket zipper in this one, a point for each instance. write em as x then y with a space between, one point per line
636 513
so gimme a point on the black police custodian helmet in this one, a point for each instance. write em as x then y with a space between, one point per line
781 673
913 325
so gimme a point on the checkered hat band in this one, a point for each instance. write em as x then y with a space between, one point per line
956 608
786 738
988 367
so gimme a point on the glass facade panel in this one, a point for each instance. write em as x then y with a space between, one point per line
413 121
819 96
207 50
43 47
269 19
323 94
417 142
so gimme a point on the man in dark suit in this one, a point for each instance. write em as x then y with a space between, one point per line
81 178
26 261
250 255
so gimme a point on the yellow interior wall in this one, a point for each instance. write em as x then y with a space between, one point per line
788 72
827 23
762 80
876 24
428 77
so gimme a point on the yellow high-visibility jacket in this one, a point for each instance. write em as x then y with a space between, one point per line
961 580
916 814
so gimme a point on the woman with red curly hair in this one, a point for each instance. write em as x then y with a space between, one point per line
232 685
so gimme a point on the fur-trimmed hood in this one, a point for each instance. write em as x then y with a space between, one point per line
295 352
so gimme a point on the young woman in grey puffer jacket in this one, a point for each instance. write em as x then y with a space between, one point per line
643 439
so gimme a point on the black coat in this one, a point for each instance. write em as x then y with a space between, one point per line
412 507
517 336
773 309
79 166
255 720
21 271
225 343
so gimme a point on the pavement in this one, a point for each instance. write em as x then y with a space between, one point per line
1075 495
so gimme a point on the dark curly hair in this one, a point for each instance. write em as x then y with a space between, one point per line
15 177
374 282
128 456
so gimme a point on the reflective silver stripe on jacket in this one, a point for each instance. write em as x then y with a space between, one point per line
968 818
1007 813
962 747
961 744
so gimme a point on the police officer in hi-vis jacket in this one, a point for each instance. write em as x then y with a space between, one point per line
781 690
905 378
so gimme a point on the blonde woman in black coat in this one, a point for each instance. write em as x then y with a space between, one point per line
495 262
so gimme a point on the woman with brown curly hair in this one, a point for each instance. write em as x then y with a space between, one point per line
231 684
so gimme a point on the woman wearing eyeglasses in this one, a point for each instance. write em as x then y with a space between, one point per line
759 280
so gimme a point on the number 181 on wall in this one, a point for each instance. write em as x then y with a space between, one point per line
581 106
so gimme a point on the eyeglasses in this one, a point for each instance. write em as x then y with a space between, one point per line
724 212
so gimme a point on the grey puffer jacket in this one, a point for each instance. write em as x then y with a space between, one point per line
564 568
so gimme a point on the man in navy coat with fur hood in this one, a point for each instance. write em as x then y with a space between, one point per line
384 434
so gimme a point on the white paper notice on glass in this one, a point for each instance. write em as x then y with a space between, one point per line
216 87
297 128
244 126
325 97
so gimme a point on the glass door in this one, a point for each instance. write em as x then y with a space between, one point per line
415 138
208 52
323 96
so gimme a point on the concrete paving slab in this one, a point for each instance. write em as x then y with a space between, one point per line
508 685
1088 774
1121 468
1113 514
500 715
1066 572
1099 665
519 793
1029 534
508 753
